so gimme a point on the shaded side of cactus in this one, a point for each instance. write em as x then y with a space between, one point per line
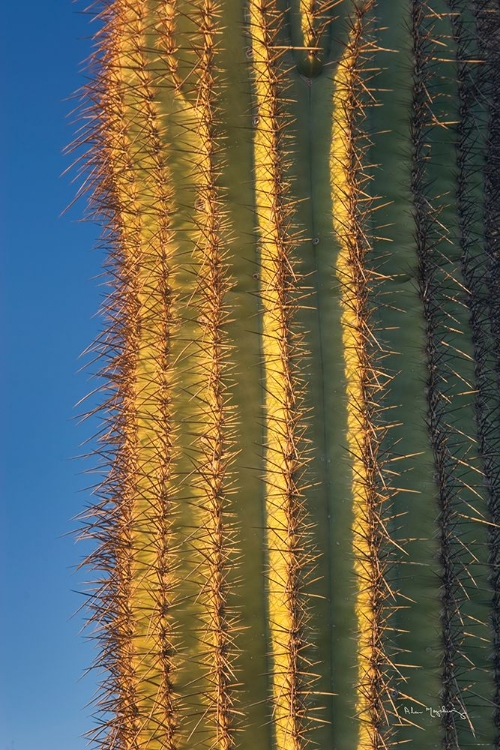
296 533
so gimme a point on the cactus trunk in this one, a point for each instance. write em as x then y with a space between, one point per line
296 532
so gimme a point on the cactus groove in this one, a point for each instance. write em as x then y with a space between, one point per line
294 539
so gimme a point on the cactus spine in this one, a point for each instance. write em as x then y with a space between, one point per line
296 534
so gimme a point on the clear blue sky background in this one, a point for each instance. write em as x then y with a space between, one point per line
47 300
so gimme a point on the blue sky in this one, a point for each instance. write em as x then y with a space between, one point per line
48 300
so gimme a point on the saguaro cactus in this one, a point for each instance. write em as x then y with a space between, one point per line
296 535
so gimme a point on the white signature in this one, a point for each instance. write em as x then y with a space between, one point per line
436 713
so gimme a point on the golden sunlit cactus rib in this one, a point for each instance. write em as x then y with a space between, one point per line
309 20
111 520
147 483
365 382
284 515
215 451
129 223
307 13
165 27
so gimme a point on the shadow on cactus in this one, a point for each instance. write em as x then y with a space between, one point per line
296 532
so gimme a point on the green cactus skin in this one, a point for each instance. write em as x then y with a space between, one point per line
296 534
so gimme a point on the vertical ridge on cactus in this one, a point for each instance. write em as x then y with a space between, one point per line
450 387
216 452
485 301
284 514
296 533
350 213
470 191
147 477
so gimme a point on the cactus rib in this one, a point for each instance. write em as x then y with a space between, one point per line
215 449
470 200
365 385
458 468
286 542
146 585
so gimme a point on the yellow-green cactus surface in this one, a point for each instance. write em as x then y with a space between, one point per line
296 535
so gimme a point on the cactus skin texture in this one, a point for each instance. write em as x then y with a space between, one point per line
295 539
